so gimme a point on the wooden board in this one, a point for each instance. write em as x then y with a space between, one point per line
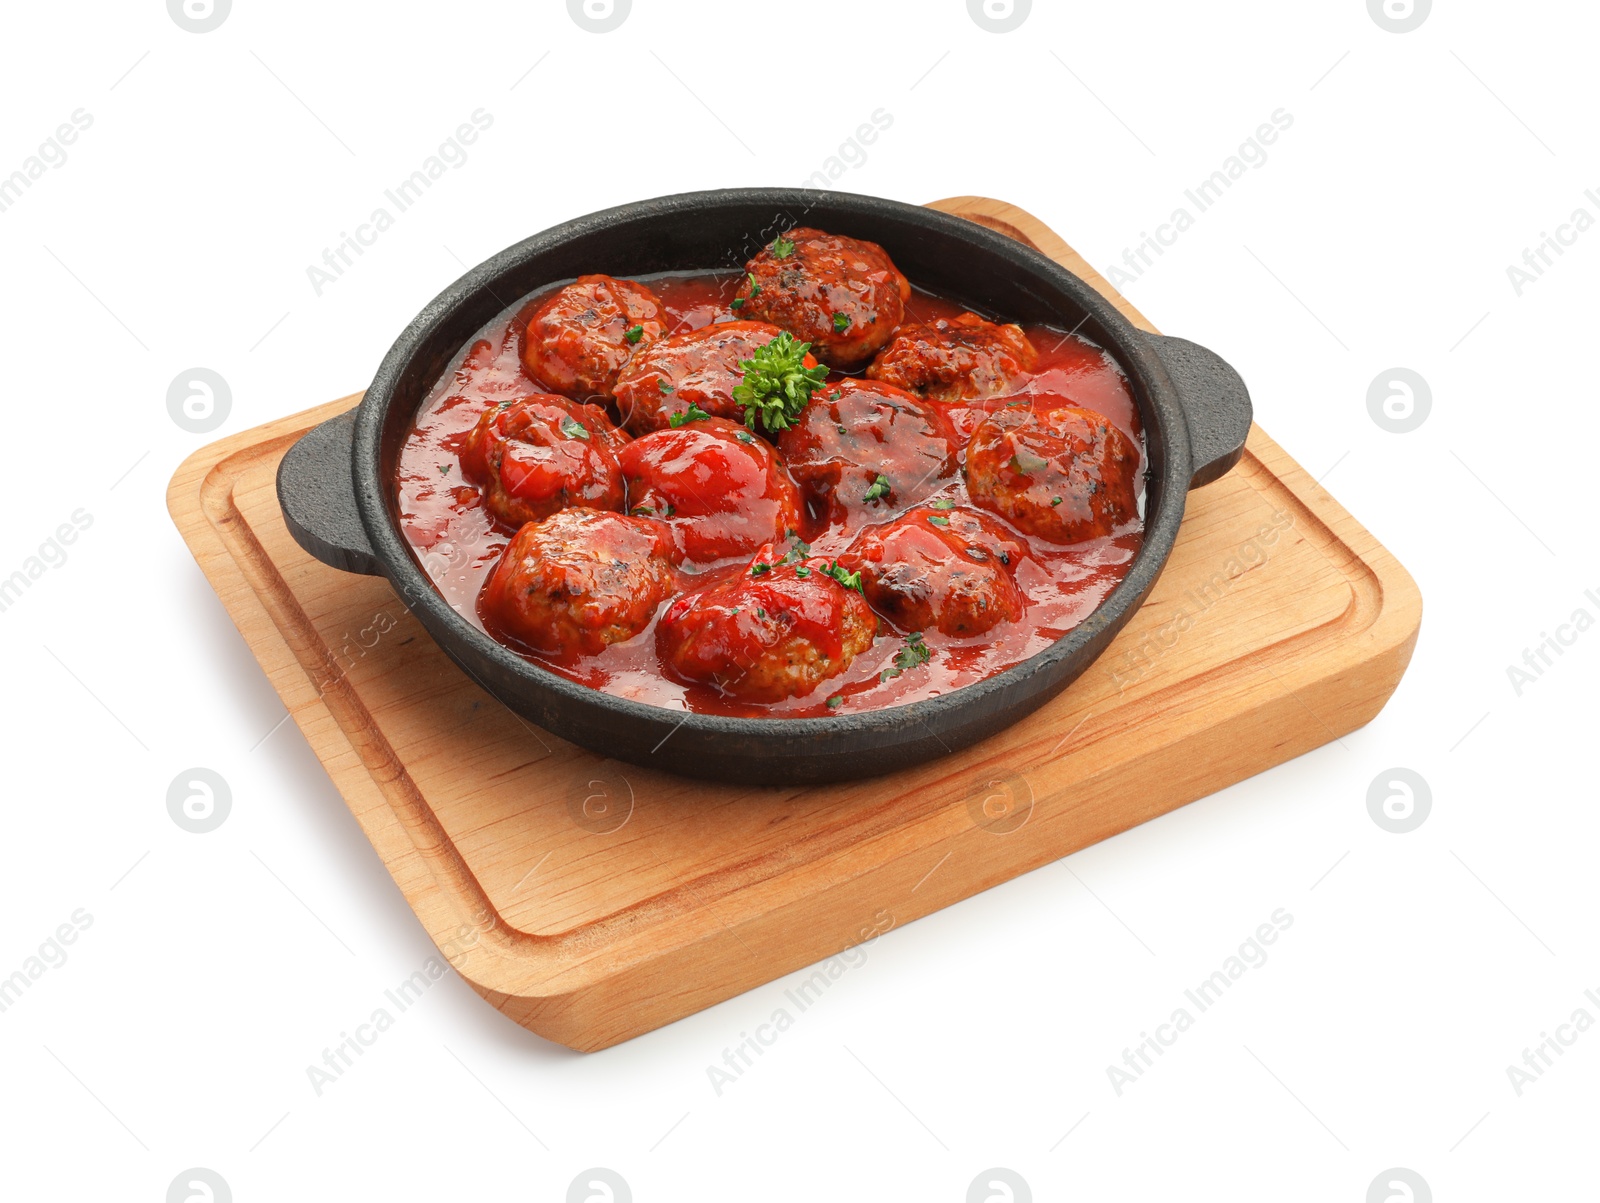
591 901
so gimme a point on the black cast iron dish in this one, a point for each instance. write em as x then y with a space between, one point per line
337 492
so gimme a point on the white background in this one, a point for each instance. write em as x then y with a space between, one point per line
218 967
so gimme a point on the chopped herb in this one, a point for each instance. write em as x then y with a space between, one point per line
777 384
914 653
836 701
573 428
938 520
1026 462
693 414
444 469
633 333
850 580
802 571
744 436
736 303
1055 501
841 323
642 511
781 247
760 613
760 567
670 510
942 503
734 611
841 430
661 383
878 488
755 289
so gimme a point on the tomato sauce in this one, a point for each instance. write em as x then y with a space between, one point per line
457 542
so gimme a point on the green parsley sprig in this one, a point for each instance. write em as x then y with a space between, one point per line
693 414
777 384
915 652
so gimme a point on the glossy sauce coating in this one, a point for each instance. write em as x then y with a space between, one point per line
580 581
458 542
720 488
1064 474
861 449
775 628
698 367
541 453
576 340
842 295
941 567
962 359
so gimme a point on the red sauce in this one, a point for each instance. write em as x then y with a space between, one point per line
457 542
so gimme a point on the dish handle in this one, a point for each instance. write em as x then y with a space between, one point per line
316 491
1216 405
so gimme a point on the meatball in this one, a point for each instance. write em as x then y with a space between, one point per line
960 360
1063 474
578 339
579 581
843 296
861 446
541 454
940 567
773 630
723 491
698 368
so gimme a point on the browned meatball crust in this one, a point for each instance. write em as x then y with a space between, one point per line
937 566
843 296
543 452
775 629
699 368
579 581
964 359
861 446
577 340
1064 474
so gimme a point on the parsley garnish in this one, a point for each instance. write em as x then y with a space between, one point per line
777 384
573 428
661 383
799 551
755 289
444 469
642 511
914 653
736 303
802 571
633 333
841 323
942 503
744 436
1026 461
878 488
938 520
836 701
693 414
781 247
850 580
1055 501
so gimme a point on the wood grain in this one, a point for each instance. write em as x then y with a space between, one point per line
591 901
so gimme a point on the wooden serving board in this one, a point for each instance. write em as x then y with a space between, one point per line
591 901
